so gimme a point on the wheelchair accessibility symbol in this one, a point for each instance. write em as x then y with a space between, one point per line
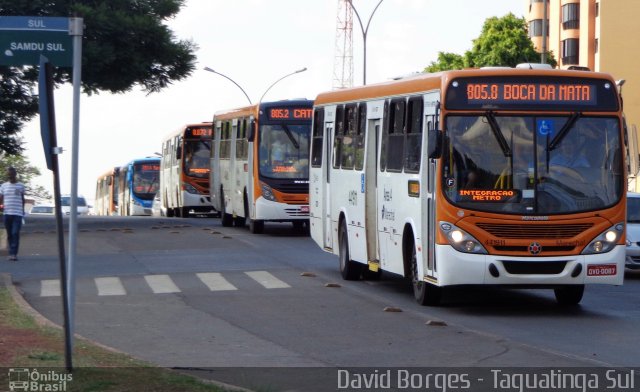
545 127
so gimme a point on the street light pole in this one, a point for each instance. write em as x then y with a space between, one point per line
274 83
232 81
364 37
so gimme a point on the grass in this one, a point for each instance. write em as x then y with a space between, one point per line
27 345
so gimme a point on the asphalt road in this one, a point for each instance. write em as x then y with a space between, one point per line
190 294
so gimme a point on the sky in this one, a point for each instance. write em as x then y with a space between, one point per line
255 43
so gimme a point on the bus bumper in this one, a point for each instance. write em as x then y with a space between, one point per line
457 268
275 211
197 202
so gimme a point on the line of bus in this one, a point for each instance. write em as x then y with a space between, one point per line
184 174
260 164
457 178
138 182
106 202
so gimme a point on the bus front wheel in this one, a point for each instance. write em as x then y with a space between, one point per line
569 295
349 269
256 226
425 293
227 219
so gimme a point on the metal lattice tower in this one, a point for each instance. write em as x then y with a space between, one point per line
343 60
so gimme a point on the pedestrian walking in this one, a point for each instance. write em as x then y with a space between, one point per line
12 196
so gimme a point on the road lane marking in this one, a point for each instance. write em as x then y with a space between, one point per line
110 286
50 288
215 281
161 284
267 280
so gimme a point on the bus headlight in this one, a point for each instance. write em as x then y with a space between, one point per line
267 192
461 240
605 241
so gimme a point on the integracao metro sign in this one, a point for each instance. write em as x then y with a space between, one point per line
24 38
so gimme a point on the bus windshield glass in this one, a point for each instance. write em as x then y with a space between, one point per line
284 151
532 165
196 158
145 180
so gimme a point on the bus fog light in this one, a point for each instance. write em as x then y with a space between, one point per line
469 246
598 246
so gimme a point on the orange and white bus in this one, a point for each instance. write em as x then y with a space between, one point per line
106 202
260 164
458 178
184 171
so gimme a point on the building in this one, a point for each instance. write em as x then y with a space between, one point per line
601 35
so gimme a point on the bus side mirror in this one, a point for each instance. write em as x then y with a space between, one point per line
252 131
434 144
179 152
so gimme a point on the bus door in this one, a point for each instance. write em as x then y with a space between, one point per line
326 189
431 121
371 184
215 172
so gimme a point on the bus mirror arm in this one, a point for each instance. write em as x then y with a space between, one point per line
252 131
434 143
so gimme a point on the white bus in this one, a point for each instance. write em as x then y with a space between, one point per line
260 164
184 171
451 179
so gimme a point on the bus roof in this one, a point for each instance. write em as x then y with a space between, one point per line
253 109
434 81
184 127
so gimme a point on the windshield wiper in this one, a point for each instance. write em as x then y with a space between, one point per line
497 133
563 131
290 136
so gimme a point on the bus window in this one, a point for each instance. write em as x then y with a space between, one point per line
284 151
196 160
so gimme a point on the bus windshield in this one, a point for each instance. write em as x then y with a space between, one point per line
196 158
284 151
145 180
533 164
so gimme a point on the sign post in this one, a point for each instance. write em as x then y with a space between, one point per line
23 40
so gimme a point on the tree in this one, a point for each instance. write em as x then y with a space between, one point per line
125 44
502 42
446 61
26 173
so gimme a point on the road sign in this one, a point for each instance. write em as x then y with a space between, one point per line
24 38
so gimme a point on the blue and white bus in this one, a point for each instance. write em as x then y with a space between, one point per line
139 180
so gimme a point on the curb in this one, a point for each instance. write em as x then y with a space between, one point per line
18 299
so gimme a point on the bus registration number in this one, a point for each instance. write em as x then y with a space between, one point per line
601 269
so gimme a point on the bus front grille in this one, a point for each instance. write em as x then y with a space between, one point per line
519 231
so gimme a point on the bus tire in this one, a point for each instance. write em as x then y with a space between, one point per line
349 269
239 221
227 219
184 212
425 293
569 295
256 226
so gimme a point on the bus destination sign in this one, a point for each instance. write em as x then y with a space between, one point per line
198 132
539 93
277 113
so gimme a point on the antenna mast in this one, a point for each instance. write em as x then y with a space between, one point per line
343 61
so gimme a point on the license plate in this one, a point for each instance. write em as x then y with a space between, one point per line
601 269
304 208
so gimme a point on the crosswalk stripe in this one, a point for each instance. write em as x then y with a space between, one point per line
161 284
50 288
267 280
110 286
215 281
